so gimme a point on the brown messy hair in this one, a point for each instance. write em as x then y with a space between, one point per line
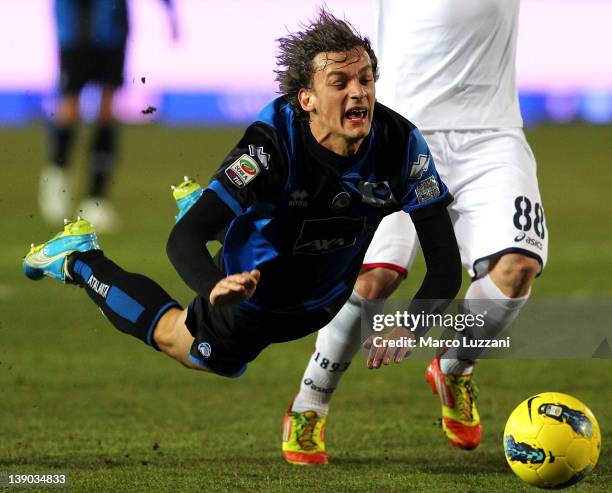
297 52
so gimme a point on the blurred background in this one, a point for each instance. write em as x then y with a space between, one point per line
220 69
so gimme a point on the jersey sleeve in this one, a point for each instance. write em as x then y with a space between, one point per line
421 184
254 171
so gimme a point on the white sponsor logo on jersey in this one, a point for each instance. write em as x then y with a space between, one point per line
419 166
260 154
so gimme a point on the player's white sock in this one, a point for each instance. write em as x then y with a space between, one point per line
485 298
337 343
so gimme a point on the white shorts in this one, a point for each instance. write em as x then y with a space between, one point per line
497 207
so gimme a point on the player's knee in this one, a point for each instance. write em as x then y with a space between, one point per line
514 274
68 112
377 283
105 110
165 333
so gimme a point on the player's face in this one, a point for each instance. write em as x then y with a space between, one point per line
341 100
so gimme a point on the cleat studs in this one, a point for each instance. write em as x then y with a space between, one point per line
172 187
186 178
66 221
78 218
32 245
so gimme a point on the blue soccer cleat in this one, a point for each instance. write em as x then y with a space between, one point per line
186 194
49 258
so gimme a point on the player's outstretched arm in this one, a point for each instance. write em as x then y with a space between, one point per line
186 245
440 284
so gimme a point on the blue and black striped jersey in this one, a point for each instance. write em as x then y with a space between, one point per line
305 215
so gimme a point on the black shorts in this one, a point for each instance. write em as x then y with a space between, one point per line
87 63
228 337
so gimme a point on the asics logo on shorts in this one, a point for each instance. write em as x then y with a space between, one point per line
529 240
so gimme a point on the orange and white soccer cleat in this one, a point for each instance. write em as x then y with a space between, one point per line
458 393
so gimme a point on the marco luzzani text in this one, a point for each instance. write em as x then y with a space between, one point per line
460 322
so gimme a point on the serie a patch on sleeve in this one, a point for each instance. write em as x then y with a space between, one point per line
242 171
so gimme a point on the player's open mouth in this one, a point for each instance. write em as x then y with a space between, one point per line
356 114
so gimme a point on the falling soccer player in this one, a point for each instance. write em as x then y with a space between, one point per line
296 203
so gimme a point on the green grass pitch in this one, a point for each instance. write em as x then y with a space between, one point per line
76 396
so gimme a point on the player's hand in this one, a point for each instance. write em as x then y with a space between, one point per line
235 288
383 355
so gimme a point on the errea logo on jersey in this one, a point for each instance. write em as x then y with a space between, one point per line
419 166
298 198
242 171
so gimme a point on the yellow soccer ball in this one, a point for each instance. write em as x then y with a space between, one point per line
552 440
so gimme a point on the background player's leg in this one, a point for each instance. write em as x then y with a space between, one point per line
103 156
104 146
54 197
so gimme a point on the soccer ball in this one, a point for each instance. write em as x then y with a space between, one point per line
552 440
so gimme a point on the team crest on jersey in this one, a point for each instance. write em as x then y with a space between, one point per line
205 349
427 189
419 167
341 201
377 194
242 171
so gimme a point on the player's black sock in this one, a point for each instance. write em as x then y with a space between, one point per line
103 152
133 303
61 137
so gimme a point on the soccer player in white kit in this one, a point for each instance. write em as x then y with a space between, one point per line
449 67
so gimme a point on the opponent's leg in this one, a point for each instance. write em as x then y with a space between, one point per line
337 344
392 250
489 217
498 298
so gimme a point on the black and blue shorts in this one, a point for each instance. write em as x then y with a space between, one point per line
89 63
228 337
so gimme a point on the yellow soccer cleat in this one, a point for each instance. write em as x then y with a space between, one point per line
303 441
460 419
